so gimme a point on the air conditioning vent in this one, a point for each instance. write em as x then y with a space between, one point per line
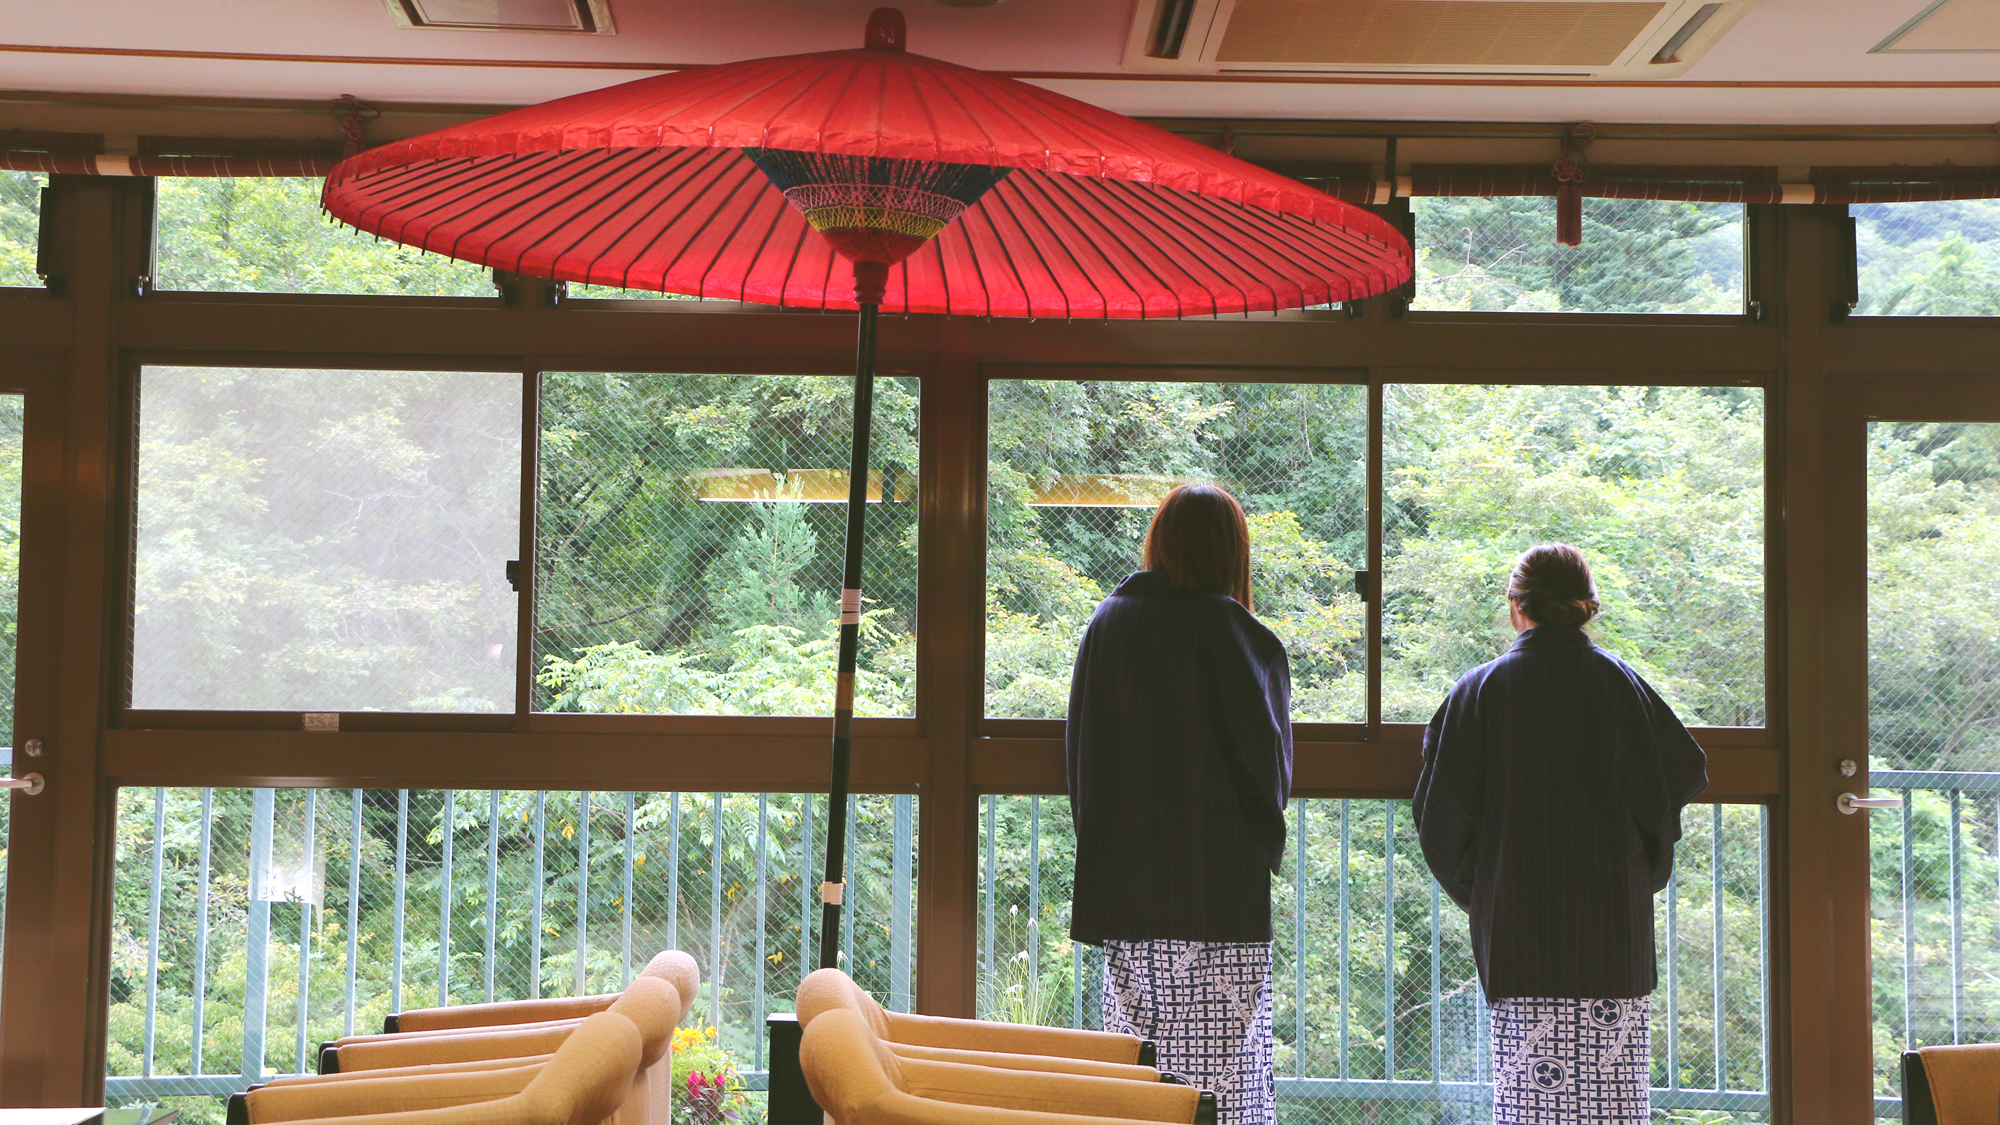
1570 38
575 17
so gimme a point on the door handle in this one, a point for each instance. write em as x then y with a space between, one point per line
1850 804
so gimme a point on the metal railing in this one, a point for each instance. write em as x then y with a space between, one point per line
1936 914
250 925
1361 931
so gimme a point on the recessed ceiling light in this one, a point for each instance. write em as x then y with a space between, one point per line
584 17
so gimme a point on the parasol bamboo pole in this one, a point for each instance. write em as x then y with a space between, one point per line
868 281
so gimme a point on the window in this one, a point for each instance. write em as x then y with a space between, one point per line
1499 254
1934 734
1376 998
1074 472
1928 259
268 235
1661 487
690 537
11 448
326 540
20 226
251 925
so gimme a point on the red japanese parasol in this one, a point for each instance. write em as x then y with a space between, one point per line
947 191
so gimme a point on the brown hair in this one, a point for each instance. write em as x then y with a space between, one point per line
1201 540
1552 585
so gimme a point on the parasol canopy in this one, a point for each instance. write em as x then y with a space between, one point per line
657 184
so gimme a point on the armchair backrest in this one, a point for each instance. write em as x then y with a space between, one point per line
1951 1085
825 990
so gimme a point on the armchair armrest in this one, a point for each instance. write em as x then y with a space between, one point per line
1051 1093
400 1071
496 1014
382 1053
1052 1063
358 1097
1015 1039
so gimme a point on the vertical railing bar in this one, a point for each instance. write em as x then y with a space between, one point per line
853 891
1674 979
201 931
305 929
1299 940
1076 984
1763 950
1437 984
257 935
990 885
402 894
541 828
1389 940
447 824
1344 1023
806 884
673 871
353 912
763 900
1957 926
1909 930
1034 949
583 893
900 996
1715 944
715 911
625 893
492 886
153 928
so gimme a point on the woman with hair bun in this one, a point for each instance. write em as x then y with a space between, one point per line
1180 765
1548 808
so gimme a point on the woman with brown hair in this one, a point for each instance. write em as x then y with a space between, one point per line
1548 806
1180 767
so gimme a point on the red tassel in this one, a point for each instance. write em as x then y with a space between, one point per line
1569 213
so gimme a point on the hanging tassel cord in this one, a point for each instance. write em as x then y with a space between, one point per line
869 279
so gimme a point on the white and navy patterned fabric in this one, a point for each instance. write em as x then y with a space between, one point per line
1207 1008
1571 1062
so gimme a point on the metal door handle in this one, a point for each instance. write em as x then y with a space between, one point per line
1851 804
29 784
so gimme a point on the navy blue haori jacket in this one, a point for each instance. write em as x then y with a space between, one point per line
1180 766
1548 806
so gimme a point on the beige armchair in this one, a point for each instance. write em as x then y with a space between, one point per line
940 1039
858 1080
585 1081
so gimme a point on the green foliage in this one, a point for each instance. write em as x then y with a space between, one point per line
707 1090
20 226
268 235
1929 259
650 598
1661 487
326 540
1638 256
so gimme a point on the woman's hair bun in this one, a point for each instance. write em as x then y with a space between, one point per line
1552 584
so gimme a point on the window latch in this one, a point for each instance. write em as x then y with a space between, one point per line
514 575
1364 585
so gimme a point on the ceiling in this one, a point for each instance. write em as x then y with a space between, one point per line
1787 62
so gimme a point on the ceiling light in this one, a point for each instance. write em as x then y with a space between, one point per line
585 17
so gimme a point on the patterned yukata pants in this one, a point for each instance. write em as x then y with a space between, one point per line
1207 1008
1571 1062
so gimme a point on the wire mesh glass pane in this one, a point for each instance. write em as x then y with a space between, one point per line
1499 254
268 235
1933 549
12 432
1377 1011
20 226
1928 259
273 920
691 538
326 540
1075 470
1661 487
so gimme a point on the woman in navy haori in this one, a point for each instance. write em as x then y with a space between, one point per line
1180 766
1548 806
